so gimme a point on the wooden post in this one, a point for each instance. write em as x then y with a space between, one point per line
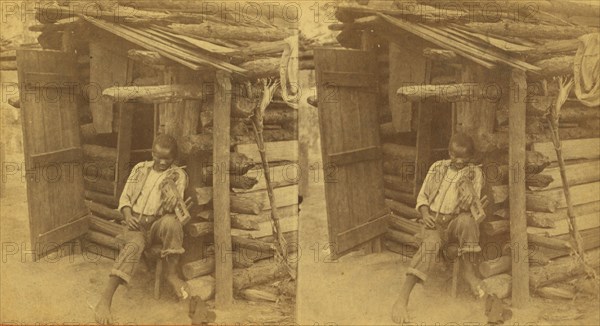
516 158
221 200
123 147
424 134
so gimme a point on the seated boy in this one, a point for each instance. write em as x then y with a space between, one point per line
150 219
444 209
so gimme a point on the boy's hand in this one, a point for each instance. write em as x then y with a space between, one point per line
429 220
133 223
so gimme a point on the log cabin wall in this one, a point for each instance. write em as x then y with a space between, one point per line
139 91
542 46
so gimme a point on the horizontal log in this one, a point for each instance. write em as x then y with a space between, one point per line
100 198
287 224
198 268
95 153
149 58
537 106
199 229
399 183
493 228
402 237
256 275
399 152
275 151
580 194
554 46
259 295
590 238
285 196
246 222
231 32
561 269
535 220
280 115
402 209
99 185
403 197
440 55
534 202
555 293
571 149
261 68
404 224
281 175
242 182
104 240
497 162
245 205
536 31
496 266
584 222
154 94
108 227
577 173
552 243
241 243
556 66
103 211
192 144
449 93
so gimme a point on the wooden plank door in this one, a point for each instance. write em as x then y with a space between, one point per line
348 118
53 155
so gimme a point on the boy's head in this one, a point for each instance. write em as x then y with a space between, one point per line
461 149
164 152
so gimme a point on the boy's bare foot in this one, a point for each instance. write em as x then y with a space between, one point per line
400 312
180 287
102 313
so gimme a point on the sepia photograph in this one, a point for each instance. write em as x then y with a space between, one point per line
309 162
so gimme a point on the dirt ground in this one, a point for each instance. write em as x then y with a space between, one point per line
360 289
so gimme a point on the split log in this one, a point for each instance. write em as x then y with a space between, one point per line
280 115
198 268
99 169
245 205
404 168
403 197
149 58
440 55
534 202
399 183
402 209
257 274
405 225
584 222
560 214
154 94
243 107
590 241
496 266
244 223
493 228
535 162
231 32
401 237
103 211
499 285
536 31
561 269
252 244
538 180
581 194
577 173
104 226
105 240
258 295
192 144
555 293
535 220
100 198
551 243
242 182
553 47
203 287
572 149
199 229
449 93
